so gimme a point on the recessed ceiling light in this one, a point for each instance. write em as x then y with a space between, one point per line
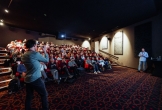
1 20
45 15
6 11
1 24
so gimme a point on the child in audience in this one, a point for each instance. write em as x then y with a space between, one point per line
20 68
107 63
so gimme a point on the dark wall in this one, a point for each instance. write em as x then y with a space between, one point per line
143 38
157 35
8 34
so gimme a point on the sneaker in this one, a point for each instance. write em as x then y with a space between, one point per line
70 76
65 79
48 79
98 72
95 72
10 92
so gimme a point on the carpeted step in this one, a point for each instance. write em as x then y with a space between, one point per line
3 51
4 83
5 70
4 55
5 77
2 61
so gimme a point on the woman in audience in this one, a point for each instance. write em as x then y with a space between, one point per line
73 66
64 67
101 63
54 70
44 75
59 57
95 66
88 64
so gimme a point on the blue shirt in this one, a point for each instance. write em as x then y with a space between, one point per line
143 56
21 68
31 60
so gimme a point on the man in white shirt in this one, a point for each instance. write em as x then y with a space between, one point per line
142 60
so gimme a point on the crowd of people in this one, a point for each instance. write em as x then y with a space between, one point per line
30 58
64 60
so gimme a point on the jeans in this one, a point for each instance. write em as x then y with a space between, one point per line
74 69
55 74
143 64
39 86
44 74
95 67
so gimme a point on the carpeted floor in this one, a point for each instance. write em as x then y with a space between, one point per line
120 88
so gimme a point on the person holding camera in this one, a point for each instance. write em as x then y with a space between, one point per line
33 80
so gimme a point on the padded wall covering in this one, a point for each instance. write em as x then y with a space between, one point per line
143 38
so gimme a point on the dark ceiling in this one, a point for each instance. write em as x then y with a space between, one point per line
87 18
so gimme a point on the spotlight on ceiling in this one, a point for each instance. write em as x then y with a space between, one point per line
1 20
1 23
7 11
89 38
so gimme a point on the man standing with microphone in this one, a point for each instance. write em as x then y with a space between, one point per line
31 60
142 61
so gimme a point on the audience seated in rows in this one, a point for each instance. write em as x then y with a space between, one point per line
64 59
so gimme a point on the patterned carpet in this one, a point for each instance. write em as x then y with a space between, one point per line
117 89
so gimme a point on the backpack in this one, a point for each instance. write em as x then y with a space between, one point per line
13 86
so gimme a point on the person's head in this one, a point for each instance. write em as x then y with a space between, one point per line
31 44
52 60
51 55
72 58
18 61
63 60
59 55
143 49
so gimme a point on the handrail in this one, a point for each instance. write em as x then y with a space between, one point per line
115 57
